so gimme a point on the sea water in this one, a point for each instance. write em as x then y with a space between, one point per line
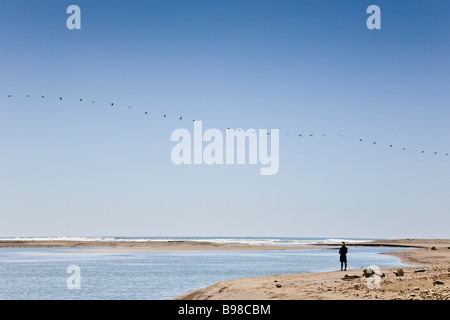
41 273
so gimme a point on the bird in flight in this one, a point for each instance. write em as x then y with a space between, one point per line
181 118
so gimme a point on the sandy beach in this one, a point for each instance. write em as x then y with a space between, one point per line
428 279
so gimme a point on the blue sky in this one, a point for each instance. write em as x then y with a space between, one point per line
71 167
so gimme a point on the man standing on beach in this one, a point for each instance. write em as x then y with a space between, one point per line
343 256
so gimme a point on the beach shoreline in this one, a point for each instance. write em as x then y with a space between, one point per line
186 245
427 278
119 246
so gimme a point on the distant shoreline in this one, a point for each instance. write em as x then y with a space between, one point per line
196 245
145 246
177 245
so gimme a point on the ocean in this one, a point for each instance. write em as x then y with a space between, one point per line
68 273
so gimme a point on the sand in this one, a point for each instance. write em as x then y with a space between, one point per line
428 279
141 246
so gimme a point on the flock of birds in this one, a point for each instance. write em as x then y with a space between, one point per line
181 118
93 101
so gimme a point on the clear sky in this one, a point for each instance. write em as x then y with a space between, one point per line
77 168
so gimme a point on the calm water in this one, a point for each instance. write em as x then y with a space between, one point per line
41 273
